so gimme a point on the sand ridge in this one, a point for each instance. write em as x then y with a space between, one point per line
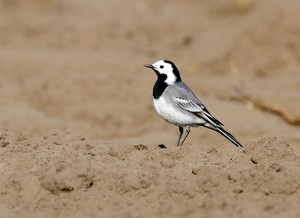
87 178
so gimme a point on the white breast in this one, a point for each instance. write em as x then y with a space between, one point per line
173 114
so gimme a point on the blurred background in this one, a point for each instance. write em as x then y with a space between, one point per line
76 66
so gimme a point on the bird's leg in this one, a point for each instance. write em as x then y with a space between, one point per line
188 129
180 134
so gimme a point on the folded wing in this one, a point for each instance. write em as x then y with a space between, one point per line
199 110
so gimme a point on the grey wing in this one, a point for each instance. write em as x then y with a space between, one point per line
187 100
198 109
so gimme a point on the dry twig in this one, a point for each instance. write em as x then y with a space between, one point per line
263 105
259 103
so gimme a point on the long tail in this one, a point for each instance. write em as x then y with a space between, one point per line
228 136
214 124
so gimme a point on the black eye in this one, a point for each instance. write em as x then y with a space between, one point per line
161 66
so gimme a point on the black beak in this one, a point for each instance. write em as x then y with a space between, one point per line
148 65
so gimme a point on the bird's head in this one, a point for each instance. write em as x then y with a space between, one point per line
165 71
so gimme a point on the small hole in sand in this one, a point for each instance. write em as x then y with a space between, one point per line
162 146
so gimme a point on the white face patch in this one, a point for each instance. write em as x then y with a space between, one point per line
167 69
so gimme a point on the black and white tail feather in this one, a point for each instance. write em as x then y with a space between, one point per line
217 126
228 136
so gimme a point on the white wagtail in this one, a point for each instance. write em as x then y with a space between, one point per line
177 104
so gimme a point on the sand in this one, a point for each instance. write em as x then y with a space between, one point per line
79 136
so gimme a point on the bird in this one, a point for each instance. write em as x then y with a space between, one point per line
175 102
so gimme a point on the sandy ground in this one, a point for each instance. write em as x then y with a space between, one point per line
78 133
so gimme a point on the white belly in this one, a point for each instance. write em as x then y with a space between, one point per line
174 114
